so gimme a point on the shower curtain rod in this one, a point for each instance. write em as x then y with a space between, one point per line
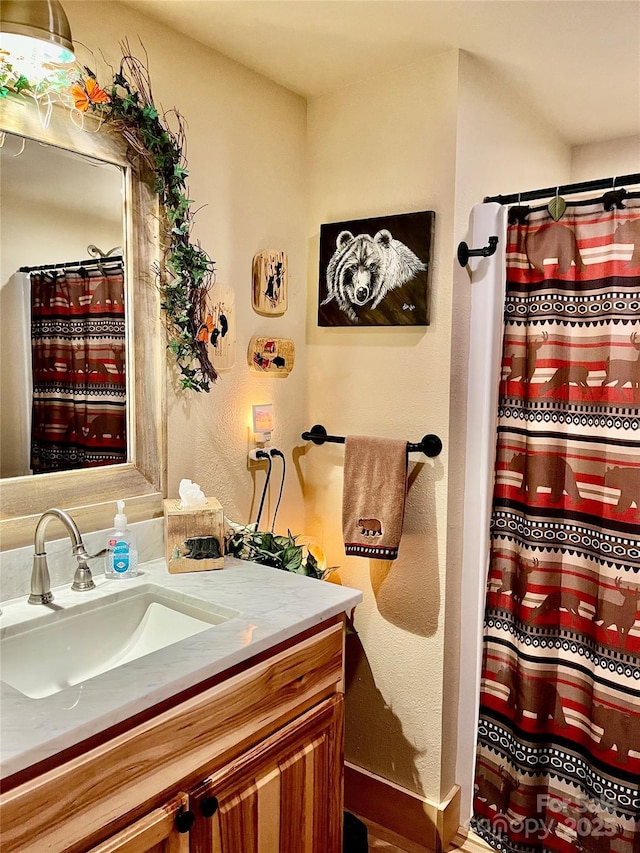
90 262
615 183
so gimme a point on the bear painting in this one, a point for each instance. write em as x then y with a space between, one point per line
376 272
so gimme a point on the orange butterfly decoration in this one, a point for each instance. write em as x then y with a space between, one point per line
205 329
88 94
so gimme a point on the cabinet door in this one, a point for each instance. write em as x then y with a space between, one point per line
157 832
283 796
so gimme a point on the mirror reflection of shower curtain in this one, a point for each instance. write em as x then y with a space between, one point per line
78 363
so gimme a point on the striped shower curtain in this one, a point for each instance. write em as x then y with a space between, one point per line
78 362
558 753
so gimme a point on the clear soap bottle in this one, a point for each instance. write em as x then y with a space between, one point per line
122 554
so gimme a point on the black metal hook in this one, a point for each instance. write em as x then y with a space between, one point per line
464 252
430 445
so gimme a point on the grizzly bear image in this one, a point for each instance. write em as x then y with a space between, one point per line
553 241
619 730
539 696
363 269
627 480
109 290
629 232
545 469
107 425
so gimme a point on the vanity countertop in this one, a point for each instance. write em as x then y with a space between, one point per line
273 606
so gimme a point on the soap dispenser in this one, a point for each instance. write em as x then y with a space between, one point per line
122 554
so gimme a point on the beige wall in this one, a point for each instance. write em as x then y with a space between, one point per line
246 149
606 159
387 146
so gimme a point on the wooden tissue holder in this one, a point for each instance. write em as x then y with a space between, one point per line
193 538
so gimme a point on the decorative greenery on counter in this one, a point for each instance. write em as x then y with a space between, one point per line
263 547
186 273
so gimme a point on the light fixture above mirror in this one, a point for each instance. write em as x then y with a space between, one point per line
35 33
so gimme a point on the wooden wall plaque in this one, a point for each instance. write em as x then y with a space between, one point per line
272 356
270 275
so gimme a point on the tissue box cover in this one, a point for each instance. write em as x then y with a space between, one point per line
193 538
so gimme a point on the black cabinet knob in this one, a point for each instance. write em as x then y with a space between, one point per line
208 806
184 821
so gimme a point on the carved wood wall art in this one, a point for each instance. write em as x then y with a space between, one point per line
222 300
270 274
272 356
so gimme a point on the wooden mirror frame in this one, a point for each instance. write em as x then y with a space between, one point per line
89 494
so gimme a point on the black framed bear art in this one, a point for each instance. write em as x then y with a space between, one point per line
376 272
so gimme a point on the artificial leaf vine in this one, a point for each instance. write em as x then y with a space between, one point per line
187 272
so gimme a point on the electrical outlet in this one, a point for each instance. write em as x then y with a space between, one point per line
269 451
253 454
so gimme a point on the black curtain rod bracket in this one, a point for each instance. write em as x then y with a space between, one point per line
464 252
430 445
89 262
613 184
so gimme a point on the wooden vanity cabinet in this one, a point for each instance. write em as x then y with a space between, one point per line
252 764
156 832
284 796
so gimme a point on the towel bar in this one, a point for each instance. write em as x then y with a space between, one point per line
430 444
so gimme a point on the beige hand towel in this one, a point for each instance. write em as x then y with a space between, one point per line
373 497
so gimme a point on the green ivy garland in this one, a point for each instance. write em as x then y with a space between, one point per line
187 272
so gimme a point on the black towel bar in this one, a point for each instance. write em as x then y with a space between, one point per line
430 445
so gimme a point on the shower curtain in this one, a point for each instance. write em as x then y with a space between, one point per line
558 751
78 362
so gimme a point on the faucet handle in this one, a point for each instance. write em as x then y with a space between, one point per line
82 579
102 553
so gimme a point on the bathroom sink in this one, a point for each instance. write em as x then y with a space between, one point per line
43 656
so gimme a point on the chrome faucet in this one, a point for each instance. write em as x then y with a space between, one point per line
40 579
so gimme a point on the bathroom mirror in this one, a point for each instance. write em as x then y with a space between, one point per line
62 323
89 493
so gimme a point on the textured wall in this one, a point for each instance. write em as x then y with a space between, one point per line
387 146
246 148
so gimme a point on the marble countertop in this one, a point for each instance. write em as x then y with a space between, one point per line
272 606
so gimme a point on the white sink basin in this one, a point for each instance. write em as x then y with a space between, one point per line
46 655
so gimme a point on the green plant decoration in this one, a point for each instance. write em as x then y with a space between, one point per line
186 273
263 547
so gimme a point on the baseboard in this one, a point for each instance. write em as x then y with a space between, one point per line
428 824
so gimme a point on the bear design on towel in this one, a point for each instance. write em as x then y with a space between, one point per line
370 526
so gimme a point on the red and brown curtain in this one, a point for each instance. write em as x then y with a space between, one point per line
558 757
78 358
